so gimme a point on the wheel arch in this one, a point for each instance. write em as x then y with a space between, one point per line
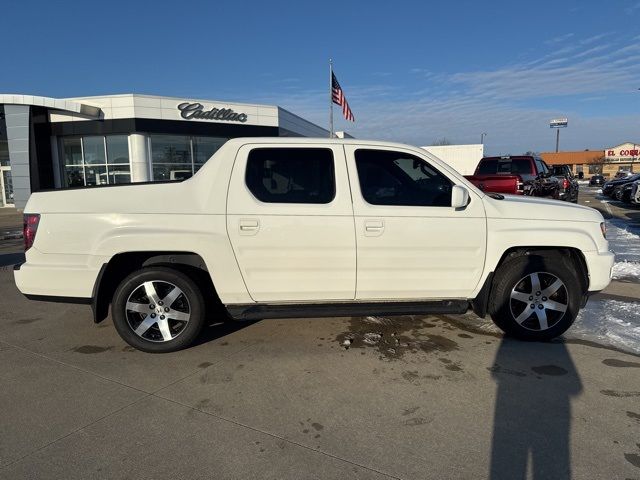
122 264
480 303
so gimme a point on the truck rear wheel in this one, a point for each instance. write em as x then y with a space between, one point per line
158 310
535 297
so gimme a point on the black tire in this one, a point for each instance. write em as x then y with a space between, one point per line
515 277
189 304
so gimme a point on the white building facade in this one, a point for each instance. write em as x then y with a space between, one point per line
76 142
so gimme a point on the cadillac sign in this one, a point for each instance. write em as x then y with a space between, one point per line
558 123
196 111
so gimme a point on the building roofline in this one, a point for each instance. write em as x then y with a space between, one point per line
171 97
61 104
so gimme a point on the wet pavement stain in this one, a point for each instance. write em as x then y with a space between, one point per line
128 348
205 364
450 365
317 426
550 370
633 458
613 362
413 422
393 337
409 411
464 335
26 321
410 376
615 393
634 416
91 349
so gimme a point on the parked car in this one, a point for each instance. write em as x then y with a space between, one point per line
609 187
635 192
516 175
569 186
623 192
597 180
290 227
621 174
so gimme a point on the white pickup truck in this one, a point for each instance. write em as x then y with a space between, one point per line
280 228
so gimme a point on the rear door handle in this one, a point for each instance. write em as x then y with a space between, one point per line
373 228
249 226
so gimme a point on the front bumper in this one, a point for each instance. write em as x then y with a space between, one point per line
599 265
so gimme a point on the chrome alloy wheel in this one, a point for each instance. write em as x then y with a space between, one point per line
157 311
539 301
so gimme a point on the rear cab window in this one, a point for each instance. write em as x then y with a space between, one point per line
504 166
291 175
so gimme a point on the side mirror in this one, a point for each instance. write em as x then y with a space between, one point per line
459 196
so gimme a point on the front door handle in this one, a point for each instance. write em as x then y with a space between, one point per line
249 226
373 228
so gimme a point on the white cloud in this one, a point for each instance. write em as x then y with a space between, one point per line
501 101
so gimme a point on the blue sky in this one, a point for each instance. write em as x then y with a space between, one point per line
412 71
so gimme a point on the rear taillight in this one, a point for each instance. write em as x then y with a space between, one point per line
30 227
565 184
519 185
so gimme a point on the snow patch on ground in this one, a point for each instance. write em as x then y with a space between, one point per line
626 270
624 240
609 322
377 320
371 338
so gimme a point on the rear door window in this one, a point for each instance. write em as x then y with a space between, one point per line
291 175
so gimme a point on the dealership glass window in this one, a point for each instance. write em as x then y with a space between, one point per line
117 149
176 157
96 160
4 144
291 175
595 169
4 153
203 149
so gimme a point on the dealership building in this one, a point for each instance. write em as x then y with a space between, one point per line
61 143
607 162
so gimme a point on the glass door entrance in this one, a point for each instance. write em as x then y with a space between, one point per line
6 187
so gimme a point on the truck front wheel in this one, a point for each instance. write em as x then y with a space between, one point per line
158 310
535 297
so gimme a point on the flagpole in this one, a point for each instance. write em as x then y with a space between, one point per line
330 98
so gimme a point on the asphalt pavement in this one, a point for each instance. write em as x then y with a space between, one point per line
420 397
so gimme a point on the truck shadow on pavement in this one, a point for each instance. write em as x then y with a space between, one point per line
7 259
217 329
532 418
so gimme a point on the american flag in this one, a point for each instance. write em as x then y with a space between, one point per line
337 95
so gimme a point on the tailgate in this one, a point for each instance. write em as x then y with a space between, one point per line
509 184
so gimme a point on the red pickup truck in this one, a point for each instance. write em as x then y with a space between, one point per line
516 175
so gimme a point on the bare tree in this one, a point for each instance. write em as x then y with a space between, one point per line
440 142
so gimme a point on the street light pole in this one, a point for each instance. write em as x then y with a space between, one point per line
557 139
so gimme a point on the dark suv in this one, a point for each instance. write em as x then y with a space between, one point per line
568 184
610 187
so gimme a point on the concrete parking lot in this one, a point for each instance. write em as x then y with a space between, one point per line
415 397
